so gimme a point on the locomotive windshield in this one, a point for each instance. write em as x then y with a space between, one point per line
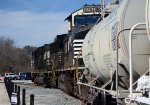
85 19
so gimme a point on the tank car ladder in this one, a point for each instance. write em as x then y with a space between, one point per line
117 54
131 96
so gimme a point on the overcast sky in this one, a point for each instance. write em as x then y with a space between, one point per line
36 22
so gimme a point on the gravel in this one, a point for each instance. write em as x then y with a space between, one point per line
48 96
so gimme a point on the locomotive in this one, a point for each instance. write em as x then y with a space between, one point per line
115 49
58 64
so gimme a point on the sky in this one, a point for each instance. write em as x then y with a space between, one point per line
36 22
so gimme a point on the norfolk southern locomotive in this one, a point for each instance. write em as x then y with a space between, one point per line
56 64
115 51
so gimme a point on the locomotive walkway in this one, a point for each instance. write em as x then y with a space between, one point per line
4 99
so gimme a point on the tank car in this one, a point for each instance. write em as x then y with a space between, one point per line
100 51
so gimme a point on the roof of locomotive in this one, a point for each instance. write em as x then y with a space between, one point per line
86 5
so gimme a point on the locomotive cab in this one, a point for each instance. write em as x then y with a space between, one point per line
79 23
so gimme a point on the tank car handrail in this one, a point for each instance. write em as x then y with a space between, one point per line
119 33
130 56
85 84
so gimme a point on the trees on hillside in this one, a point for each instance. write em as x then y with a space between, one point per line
13 59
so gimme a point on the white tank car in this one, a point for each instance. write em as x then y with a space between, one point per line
99 47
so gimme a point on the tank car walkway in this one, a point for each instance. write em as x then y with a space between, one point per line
4 99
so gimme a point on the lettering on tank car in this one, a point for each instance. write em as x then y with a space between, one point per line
137 35
114 32
107 60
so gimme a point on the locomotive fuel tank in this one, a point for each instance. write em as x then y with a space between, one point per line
99 47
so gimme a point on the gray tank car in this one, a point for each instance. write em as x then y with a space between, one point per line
99 47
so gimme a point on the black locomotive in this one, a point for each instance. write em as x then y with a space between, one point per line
60 64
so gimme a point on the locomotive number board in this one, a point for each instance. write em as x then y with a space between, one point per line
91 9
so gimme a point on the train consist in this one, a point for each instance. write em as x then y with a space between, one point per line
104 57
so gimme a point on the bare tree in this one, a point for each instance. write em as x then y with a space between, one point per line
13 59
